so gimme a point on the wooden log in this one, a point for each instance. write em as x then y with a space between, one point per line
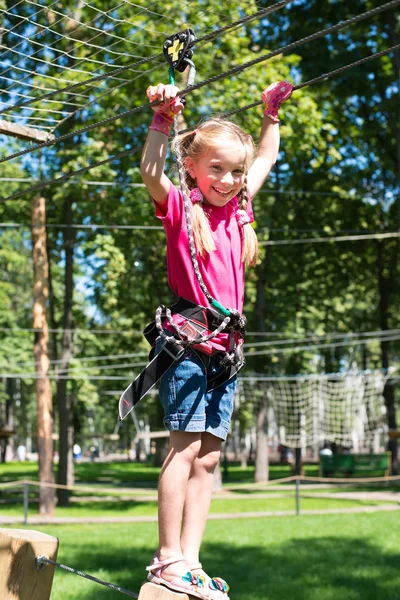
19 577
152 591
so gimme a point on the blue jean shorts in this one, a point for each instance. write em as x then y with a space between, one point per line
187 404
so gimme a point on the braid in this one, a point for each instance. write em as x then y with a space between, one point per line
250 242
243 196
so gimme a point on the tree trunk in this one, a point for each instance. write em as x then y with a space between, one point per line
41 351
261 472
65 425
389 390
385 288
9 441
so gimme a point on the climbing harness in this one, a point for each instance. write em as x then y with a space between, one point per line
201 324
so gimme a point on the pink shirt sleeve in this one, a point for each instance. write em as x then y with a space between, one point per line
172 213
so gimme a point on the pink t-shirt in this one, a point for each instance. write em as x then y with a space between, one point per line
222 270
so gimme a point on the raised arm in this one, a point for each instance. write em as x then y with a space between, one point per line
156 146
268 145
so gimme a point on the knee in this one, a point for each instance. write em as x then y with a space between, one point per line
209 460
190 451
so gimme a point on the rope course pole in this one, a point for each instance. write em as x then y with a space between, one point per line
24 133
26 502
297 496
42 561
234 70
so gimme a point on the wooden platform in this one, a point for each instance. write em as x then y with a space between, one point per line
152 591
19 577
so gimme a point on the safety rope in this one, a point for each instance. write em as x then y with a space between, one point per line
42 561
318 79
232 316
205 38
213 79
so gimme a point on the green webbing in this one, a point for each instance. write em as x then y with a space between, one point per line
220 308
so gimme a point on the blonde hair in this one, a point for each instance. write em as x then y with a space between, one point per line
197 143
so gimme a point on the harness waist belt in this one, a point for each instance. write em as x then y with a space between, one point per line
198 320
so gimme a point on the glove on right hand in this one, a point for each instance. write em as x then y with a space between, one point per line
170 103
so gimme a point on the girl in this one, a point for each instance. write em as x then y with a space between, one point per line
222 176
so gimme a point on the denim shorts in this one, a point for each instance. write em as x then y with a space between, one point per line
187 404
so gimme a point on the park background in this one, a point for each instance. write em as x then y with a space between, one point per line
326 305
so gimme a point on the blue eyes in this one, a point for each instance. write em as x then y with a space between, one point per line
219 168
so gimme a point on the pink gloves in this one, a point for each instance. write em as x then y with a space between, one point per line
170 105
273 96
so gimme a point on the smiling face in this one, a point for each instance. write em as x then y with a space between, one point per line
220 172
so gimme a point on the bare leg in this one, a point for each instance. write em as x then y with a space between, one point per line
198 496
172 490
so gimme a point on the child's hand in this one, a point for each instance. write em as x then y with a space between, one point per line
170 103
273 96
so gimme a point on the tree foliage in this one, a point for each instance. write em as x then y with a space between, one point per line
337 174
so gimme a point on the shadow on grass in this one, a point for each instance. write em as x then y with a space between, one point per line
326 568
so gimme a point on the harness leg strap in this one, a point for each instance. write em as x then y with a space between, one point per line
169 354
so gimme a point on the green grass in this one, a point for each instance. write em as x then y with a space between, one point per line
132 475
329 557
326 557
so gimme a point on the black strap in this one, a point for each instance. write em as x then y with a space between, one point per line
228 371
147 379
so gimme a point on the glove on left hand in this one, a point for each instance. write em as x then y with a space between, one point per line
273 96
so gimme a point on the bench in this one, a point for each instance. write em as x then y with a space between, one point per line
348 464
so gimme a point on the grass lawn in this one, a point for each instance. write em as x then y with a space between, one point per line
323 557
131 475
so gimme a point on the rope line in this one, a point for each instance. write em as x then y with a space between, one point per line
137 149
140 332
372 334
108 93
97 378
84 372
44 184
323 346
205 38
343 194
320 240
320 78
230 72
338 238
301 42
31 85
139 108
41 561
314 338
